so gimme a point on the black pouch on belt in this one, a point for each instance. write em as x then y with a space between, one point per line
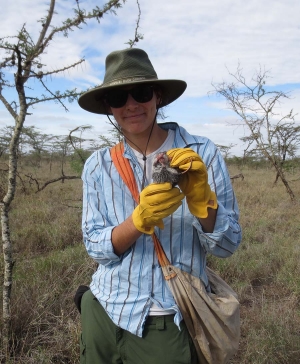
78 296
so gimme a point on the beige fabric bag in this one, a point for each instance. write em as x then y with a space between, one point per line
213 319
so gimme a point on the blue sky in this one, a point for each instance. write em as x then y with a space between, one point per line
197 41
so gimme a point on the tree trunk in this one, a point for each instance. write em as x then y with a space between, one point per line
25 56
7 244
7 284
281 175
276 179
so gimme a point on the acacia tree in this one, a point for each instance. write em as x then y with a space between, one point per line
225 149
37 142
272 135
23 60
109 141
5 137
287 143
80 154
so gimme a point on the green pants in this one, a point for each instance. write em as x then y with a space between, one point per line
102 342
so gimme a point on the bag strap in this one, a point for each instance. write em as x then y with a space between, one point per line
124 168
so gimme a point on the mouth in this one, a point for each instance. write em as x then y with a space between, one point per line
133 117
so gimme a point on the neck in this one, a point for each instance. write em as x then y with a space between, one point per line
139 142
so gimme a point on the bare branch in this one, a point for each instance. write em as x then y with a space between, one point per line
80 19
270 132
71 94
61 178
240 175
79 128
137 35
40 74
45 26
8 107
54 97
22 60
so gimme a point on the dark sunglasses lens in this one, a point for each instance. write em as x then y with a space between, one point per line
117 98
142 93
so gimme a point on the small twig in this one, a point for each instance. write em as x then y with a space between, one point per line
54 96
49 73
73 145
74 207
240 175
22 182
137 36
33 179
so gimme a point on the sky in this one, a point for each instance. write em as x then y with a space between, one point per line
196 41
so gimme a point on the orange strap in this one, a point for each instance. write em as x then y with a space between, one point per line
124 168
161 255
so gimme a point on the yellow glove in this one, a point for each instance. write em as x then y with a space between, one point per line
157 201
193 183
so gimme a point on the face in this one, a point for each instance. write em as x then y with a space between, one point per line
135 118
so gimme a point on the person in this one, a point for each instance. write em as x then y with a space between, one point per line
129 315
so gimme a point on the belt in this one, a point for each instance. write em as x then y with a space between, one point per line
159 321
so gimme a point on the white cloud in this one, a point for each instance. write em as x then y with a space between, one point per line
190 40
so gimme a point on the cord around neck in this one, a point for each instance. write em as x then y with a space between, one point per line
143 153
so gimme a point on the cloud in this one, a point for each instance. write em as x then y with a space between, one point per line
198 41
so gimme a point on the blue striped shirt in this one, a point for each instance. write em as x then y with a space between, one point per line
127 285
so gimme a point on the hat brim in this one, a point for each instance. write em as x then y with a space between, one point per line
93 100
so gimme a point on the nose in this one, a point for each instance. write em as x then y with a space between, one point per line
131 102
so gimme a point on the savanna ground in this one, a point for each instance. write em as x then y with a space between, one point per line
51 262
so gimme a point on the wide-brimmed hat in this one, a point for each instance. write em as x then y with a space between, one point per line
129 67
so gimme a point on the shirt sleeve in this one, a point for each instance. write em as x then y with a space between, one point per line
226 237
95 224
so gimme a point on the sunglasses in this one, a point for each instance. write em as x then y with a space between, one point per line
118 98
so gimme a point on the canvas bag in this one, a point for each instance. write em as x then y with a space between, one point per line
213 319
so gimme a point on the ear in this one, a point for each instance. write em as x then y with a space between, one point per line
158 95
107 107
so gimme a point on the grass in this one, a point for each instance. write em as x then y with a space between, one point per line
51 263
265 271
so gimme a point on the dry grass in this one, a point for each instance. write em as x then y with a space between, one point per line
51 262
265 270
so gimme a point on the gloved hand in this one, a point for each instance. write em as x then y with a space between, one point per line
157 201
193 183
